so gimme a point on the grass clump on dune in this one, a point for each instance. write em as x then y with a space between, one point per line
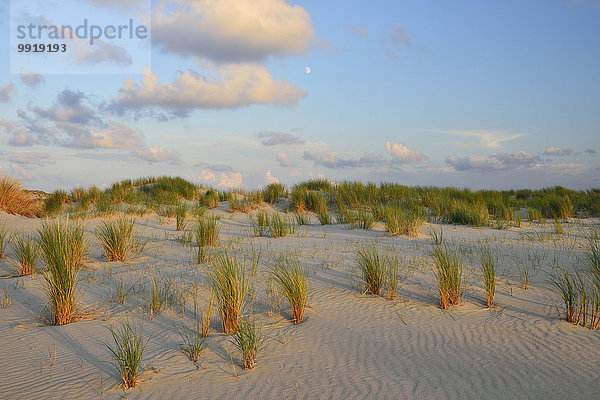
488 272
207 234
230 286
378 270
53 205
449 275
70 235
193 342
281 226
399 221
371 269
27 253
272 192
291 278
14 199
127 352
248 338
180 215
572 292
5 238
63 249
117 240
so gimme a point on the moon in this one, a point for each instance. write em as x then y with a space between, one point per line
307 69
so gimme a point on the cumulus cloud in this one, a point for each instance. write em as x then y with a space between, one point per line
237 85
230 180
271 138
284 161
556 151
231 30
269 178
328 159
115 135
69 107
207 177
402 154
73 122
590 151
31 78
500 161
227 180
6 93
18 135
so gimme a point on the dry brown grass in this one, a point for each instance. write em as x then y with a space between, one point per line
14 199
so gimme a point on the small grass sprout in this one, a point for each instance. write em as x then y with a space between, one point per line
180 215
488 272
27 253
248 338
193 342
127 352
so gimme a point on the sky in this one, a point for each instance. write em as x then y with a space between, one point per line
242 93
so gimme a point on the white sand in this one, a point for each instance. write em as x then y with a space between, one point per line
349 346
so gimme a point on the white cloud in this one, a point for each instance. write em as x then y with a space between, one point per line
402 154
157 154
563 169
556 151
238 85
328 159
231 180
6 93
207 177
486 138
31 78
284 161
115 135
269 178
30 158
231 30
500 161
271 138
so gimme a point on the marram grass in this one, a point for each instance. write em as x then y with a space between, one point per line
248 338
63 248
449 275
27 253
488 272
118 241
230 286
127 352
291 278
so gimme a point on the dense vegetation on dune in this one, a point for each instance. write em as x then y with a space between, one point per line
347 199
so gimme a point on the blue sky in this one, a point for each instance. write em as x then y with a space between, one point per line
461 93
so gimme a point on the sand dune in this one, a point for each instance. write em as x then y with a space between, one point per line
350 346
